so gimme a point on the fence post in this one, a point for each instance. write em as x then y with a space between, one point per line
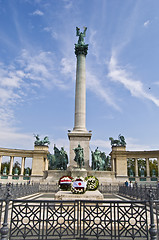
152 230
4 230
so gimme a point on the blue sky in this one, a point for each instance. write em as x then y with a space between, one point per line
38 67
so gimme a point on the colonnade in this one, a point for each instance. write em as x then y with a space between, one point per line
147 167
38 156
119 157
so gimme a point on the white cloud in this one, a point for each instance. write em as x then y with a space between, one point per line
147 23
28 72
38 12
93 44
68 4
68 67
53 33
95 86
132 145
121 75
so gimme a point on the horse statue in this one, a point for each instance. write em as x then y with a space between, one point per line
114 142
118 142
99 160
122 140
44 142
79 156
61 158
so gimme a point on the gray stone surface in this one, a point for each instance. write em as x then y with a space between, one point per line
88 195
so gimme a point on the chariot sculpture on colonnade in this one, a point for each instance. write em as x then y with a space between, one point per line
44 142
118 142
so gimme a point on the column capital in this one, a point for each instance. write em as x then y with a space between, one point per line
81 49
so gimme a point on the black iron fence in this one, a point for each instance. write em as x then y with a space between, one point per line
85 219
140 192
19 190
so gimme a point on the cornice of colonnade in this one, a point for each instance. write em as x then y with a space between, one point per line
143 154
22 153
134 154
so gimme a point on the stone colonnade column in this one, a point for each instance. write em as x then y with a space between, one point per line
147 167
22 166
11 165
46 164
0 163
158 165
136 168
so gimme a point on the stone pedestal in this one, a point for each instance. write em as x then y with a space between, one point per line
39 158
83 139
88 195
77 172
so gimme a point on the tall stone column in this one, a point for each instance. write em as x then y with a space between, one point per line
147 167
22 166
11 165
80 135
0 163
80 94
136 168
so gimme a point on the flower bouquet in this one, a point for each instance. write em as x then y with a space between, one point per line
92 183
65 183
79 185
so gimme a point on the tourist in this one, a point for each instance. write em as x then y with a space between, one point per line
131 184
126 184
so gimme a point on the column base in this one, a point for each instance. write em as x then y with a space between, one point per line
83 139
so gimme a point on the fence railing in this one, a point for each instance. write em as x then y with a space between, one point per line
139 192
85 219
19 190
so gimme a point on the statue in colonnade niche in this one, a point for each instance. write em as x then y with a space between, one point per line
79 156
44 142
131 173
16 171
153 173
99 160
142 172
118 142
59 160
5 171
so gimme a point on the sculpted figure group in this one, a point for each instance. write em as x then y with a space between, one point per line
44 142
99 160
118 142
59 160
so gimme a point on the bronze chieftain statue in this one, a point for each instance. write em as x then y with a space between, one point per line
79 156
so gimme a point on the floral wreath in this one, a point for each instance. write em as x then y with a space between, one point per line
79 185
65 183
92 183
